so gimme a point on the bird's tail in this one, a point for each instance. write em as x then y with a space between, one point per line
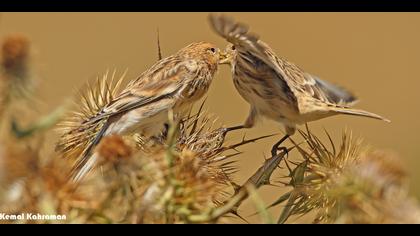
82 169
357 112
83 128
88 159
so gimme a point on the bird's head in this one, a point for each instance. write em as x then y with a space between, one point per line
228 55
204 51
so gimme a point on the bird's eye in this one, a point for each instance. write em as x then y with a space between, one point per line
233 47
213 50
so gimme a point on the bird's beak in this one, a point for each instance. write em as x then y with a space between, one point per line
224 58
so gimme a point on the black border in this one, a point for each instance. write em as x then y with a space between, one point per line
211 5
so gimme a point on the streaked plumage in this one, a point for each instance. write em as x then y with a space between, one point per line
276 88
173 83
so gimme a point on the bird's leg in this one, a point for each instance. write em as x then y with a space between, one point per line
290 130
276 147
165 130
249 123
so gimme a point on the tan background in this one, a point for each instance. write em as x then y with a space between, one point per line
377 55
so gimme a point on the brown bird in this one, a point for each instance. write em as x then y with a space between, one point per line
276 88
173 83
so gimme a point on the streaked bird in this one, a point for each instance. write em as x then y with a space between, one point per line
173 83
276 88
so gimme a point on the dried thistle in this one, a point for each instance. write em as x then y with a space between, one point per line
375 190
15 81
32 184
204 147
351 184
18 99
147 188
113 148
15 55
15 68
18 160
77 133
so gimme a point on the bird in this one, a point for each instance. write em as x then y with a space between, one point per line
276 88
173 84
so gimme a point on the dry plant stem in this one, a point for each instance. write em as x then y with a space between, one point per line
158 45
259 178
259 205
42 124
243 142
285 214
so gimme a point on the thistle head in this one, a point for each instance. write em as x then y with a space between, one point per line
15 53
113 148
349 184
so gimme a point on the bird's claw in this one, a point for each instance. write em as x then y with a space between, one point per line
276 148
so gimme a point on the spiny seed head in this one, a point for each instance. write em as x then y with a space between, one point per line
76 130
17 161
15 53
351 184
112 148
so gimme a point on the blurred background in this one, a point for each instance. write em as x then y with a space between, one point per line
375 55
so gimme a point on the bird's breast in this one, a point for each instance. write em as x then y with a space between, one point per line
264 91
132 122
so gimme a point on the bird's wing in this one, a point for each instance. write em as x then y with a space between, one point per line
328 92
166 79
251 49
299 82
235 33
